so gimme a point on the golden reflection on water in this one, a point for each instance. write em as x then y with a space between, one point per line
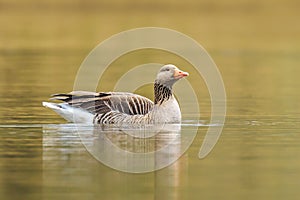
255 44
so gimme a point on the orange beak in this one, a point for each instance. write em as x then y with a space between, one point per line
180 74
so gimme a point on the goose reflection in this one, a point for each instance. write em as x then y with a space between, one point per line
134 148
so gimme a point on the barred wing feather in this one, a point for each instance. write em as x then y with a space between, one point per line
104 102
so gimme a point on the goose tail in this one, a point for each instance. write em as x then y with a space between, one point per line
71 114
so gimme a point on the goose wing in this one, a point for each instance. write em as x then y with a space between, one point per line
103 102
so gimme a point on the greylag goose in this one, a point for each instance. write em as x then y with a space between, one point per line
122 107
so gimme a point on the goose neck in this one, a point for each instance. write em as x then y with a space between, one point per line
161 93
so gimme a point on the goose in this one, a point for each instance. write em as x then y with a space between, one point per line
123 107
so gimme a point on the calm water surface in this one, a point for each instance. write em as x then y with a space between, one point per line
258 153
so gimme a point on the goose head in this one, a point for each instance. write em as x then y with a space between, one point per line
169 74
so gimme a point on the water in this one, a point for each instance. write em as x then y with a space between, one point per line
255 45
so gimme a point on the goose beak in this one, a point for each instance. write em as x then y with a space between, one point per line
180 74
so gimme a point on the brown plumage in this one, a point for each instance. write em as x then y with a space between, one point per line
122 107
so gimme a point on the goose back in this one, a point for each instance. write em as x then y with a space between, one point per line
104 102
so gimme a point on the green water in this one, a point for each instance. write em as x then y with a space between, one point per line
256 47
